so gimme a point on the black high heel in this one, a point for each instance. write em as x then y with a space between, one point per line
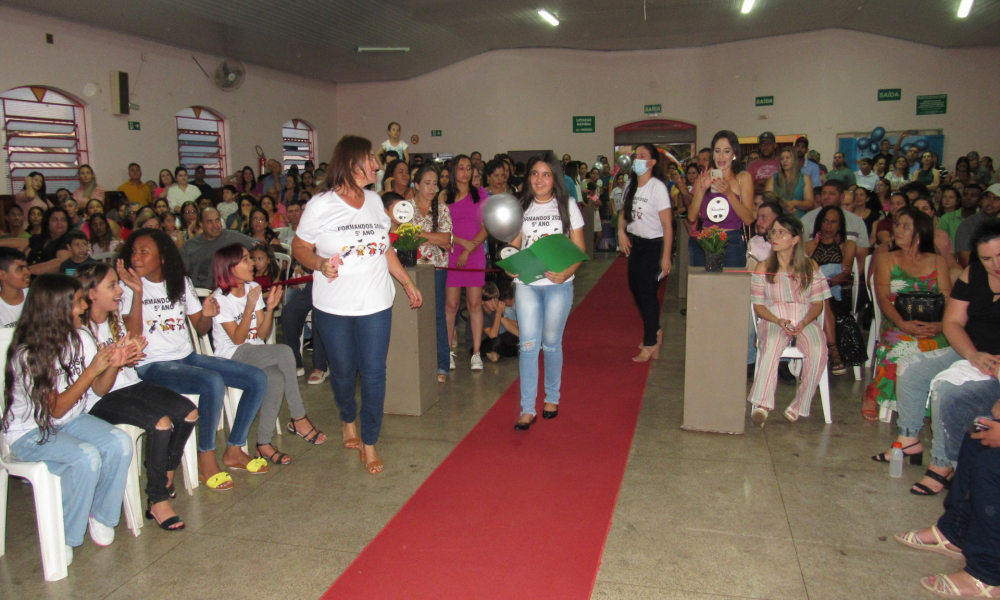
926 491
916 459
166 525
525 426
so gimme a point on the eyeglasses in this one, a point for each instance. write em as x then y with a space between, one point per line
776 233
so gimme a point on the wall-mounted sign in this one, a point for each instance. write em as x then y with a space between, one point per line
888 95
764 101
584 124
652 109
435 133
414 139
133 125
932 105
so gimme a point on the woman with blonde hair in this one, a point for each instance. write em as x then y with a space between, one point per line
791 184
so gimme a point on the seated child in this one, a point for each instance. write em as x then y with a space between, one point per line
500 333
79 248
14 279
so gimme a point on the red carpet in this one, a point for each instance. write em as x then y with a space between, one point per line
515 514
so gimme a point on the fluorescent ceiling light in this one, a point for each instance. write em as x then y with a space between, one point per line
747 6
383 49
964 8
553 21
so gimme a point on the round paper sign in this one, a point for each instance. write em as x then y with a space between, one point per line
403 212
507 252
717 209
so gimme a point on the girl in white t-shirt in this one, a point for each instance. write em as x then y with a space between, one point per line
543 306
181 191
645 236
167 417
160 302
393 143
343 238
53 371
239 330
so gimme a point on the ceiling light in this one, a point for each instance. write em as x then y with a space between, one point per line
552 20
383 49
747 6
964 8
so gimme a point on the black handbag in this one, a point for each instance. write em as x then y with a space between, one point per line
927 307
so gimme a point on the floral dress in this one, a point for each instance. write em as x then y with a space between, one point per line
893 344
431 254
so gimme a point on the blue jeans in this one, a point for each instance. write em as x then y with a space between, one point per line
91 459
440 285
958 405
298 303
735 252
542 311
913 384
209 376
359 343
970 519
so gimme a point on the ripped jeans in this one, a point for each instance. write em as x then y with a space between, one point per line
542 311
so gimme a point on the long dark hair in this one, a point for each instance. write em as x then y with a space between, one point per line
633 182
734 142
45 345
253 179
171 264
390 169
841 229
423 170
923 229
102 241
451 192
41 191
268 232
48 216
558 186
90 276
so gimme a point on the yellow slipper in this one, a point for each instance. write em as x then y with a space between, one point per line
220 482
257 466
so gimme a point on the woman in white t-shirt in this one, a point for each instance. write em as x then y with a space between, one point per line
55 370
343 237
393 144
160 303
167 417
645 236
181 191
239 330
543 306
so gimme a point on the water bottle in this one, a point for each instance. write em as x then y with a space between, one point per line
896 462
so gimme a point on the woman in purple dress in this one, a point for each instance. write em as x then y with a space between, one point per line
465 202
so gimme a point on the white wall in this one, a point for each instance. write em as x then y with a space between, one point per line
169 82
824 83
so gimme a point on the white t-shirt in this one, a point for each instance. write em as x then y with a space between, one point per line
618 197
164 323
866 181
102 332
542 219
361 238
400 149
22 419
231 309
10 314
649 200
176 198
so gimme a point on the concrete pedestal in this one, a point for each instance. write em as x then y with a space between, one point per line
589 214
715 383
683 256
411 382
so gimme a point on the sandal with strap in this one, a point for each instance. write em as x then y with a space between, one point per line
311 435
916 458
219 482
940 546
167 524
371 465
257 466
926 491
942 585
276 457
837 366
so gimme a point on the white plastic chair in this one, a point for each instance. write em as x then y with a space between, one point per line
105 257
854 304
284 264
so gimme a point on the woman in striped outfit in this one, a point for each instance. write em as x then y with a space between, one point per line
787 291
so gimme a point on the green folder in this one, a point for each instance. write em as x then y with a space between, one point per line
553 253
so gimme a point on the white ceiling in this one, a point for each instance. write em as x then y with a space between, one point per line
318 38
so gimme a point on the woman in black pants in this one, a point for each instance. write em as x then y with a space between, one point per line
167 417
645 236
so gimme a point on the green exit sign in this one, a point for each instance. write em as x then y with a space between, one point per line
652 109
435 133
133 125
584 124
764 101
888 95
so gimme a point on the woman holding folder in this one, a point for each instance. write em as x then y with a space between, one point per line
543 305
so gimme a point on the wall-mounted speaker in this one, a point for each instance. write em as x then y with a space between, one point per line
119 93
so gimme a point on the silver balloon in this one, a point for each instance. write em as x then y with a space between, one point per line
625 163
599 166
503 217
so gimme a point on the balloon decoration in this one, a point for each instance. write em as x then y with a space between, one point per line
877 134
625 163
875 146
503 217
921 144
599 166
864 143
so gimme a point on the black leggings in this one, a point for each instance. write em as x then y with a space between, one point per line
643 270
143 405
505 344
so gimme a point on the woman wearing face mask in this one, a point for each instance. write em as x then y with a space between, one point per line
725 202
645 236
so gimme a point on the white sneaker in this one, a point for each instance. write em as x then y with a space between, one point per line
69 555
101 534
300 372
477 362
451 365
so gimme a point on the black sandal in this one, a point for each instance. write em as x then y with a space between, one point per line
166 525
926 491
276 457
310 435
837 366
917 458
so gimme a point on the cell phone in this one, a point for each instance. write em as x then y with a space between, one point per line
715 174
977 426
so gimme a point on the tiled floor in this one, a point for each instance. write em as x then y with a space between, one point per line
793 511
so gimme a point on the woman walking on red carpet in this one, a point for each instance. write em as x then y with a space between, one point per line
543 306
645 236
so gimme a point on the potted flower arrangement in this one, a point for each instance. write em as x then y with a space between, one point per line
407 243
713 241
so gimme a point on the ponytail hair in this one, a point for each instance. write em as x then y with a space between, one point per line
633 182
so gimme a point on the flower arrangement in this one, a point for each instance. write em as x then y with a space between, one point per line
713 240
408 237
